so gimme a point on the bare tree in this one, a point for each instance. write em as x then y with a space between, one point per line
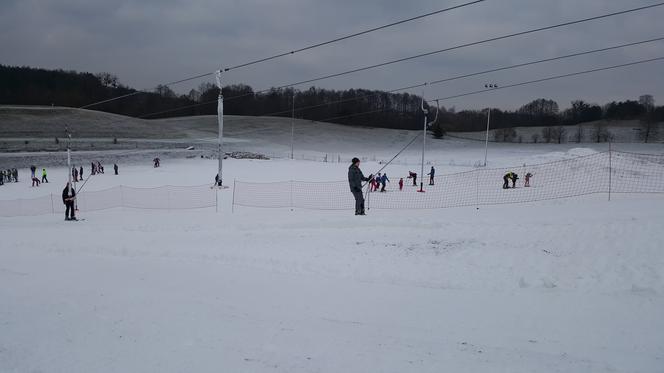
547 134
505 134
578 134
107 79
601 133
558 134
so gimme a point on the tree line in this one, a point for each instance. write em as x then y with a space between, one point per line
356 107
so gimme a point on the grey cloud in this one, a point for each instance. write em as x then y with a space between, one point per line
154 41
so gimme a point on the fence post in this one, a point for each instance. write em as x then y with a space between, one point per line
610 170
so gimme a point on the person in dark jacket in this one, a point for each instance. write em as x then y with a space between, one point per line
431 174
68 196
506 180
115 168
355 179
80 173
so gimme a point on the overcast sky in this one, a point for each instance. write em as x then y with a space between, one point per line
149 42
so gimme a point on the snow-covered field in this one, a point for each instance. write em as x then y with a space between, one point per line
572 285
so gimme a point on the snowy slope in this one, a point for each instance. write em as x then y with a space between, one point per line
570 285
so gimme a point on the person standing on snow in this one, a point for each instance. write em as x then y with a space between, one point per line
355 179
80 173
384 180
506 180
44 179
68 196
431 175
528 176
115 168
401 184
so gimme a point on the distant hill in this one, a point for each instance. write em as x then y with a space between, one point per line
45 122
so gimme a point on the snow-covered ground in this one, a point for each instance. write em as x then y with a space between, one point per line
572 285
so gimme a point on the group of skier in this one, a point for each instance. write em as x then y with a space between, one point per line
513 177
8 176
356 177
33 177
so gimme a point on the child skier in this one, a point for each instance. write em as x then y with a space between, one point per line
528 176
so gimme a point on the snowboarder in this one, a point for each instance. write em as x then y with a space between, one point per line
355 179
68 196
401 184
115 168
384 180
527 182
431 175
44 179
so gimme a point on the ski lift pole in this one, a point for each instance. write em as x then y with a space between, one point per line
220 119
424 140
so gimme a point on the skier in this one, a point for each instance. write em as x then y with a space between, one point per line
506 180
44 179
528 176
413 175
401 184
115 168
355 179
68 196
431 175
384 180
515 177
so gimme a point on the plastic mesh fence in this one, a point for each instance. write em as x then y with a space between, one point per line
165 197
606 172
